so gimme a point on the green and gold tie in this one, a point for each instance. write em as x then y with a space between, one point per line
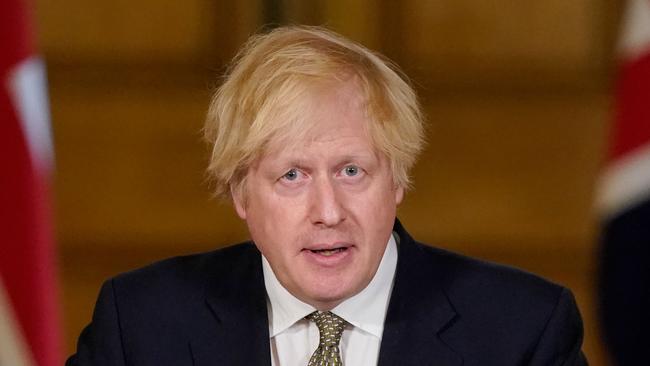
330 326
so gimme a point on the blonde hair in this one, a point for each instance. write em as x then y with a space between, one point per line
263 93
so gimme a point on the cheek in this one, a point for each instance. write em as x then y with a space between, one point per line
273 216
376 202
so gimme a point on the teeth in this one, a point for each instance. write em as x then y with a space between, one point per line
328 252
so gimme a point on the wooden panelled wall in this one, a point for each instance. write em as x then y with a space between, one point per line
516 95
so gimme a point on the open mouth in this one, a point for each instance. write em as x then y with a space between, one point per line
328 252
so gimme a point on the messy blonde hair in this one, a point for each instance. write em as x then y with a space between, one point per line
260 100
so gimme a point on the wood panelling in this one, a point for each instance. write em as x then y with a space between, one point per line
474 31
357 19
501 42
122 29
515 94
130 163
506 166
147 31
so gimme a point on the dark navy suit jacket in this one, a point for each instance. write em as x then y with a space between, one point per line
445 310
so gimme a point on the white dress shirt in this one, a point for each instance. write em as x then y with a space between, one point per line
293 338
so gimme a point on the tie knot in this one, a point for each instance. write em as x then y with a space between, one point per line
330 326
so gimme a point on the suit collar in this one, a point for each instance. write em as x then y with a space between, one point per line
419 310
238 333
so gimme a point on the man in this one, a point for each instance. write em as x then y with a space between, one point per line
313 137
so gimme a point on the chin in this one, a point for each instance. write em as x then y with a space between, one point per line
329 297
326 303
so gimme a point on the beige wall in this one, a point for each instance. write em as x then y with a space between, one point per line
515 92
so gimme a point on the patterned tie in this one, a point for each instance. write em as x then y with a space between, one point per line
330 327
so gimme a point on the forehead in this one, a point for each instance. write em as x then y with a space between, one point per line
333 114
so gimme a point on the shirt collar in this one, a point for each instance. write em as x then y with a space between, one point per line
365 310
285 309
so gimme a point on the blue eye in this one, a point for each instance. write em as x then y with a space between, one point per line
351 170
291 175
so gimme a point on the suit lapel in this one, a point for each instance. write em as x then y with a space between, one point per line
418 311
238 334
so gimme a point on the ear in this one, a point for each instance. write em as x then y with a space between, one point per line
399 194
238 200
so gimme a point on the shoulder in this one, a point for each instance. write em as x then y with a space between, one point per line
466 275
504 312
504 308
477 286
183 278
469 282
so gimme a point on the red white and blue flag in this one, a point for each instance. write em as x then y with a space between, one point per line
29 326
624 199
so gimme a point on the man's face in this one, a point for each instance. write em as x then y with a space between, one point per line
321 207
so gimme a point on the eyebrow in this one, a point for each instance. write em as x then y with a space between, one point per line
300 162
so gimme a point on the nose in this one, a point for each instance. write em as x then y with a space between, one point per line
326 209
